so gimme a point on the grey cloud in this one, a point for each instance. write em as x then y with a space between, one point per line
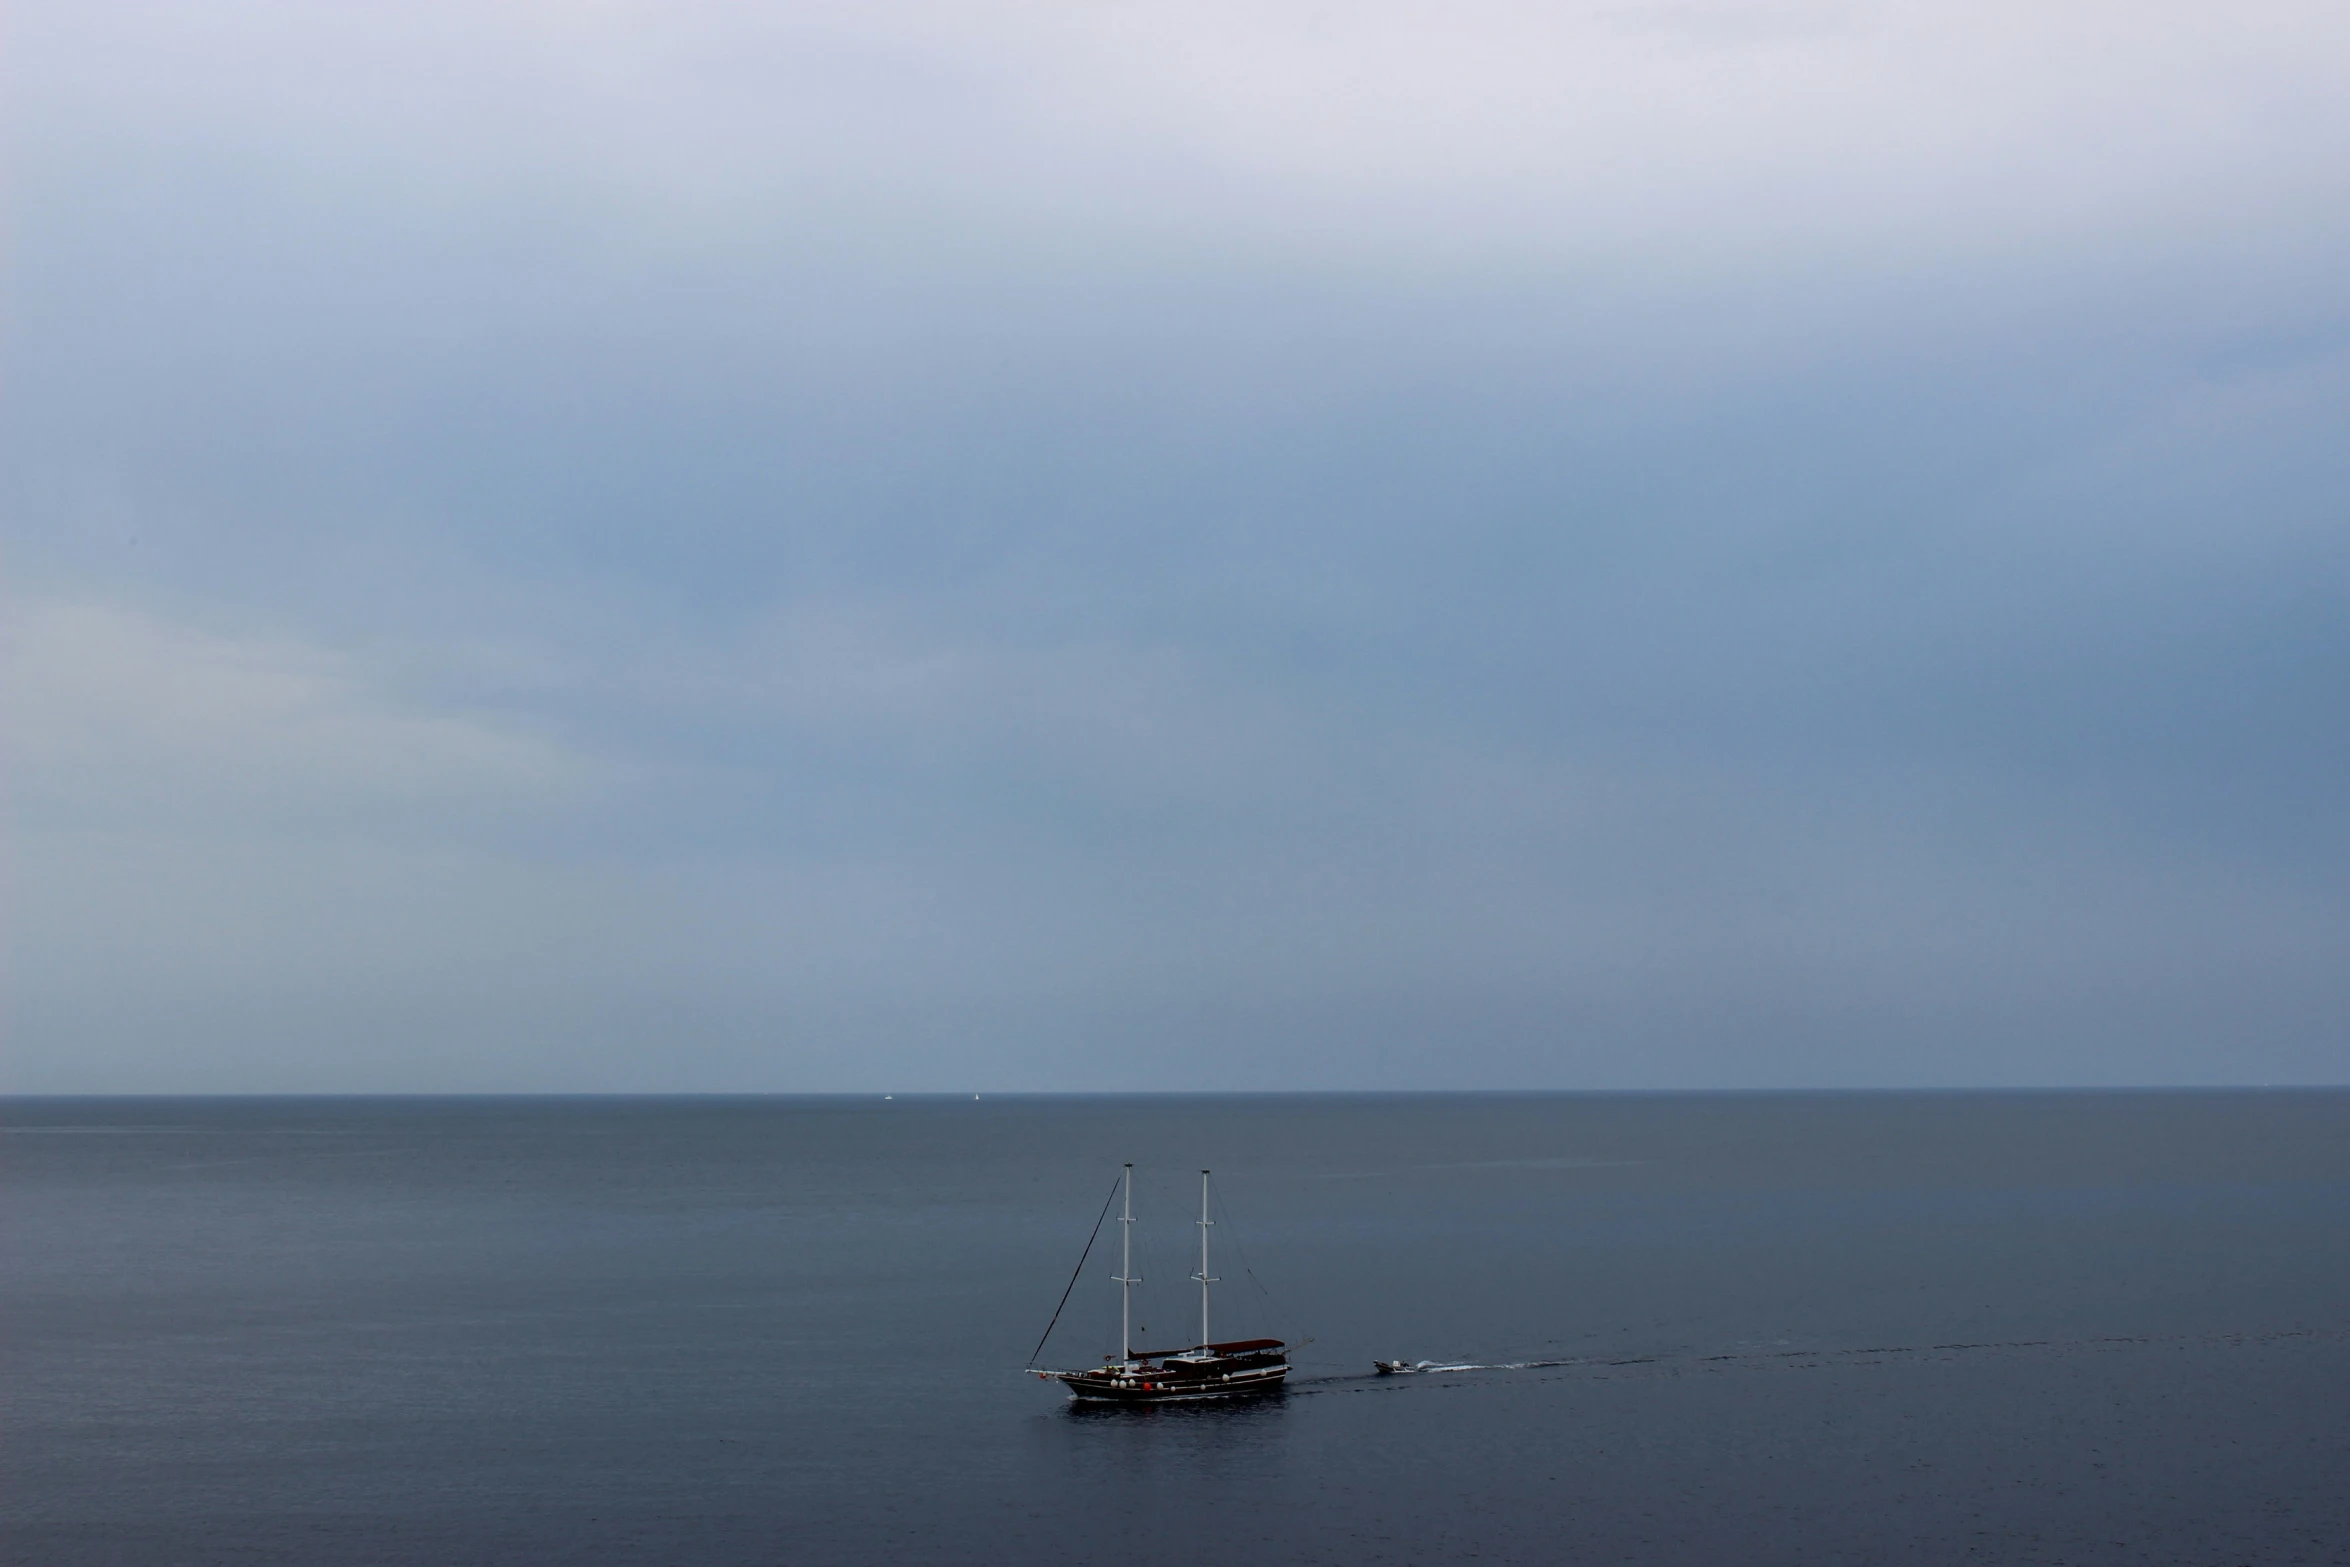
847 546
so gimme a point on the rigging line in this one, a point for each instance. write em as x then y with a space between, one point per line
1233 1235
1147 1255
1080 1268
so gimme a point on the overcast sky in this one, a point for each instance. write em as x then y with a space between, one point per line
986 546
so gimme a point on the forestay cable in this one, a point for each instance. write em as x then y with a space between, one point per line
1077 1272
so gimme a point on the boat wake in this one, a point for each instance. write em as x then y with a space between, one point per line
1798 1359
1407 1368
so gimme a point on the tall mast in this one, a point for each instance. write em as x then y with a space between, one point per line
1204 1277
1126 1279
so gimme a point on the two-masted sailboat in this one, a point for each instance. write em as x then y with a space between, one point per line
1205 1370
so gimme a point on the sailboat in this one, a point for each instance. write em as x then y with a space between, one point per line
1204 1370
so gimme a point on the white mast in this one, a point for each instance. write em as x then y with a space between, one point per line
1126 1280
1204 1277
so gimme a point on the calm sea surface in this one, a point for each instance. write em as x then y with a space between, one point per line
1866 1328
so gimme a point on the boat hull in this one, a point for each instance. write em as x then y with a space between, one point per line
1151 1386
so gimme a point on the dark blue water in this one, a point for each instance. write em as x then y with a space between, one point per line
2077 1328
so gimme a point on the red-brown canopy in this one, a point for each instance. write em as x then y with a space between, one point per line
1239 1346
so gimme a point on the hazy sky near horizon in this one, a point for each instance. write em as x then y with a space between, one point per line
711 546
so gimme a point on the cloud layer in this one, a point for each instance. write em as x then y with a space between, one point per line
1004 546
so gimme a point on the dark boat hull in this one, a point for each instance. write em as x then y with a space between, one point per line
1153 1387
1229 1370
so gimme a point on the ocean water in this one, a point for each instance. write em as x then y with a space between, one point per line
1859 1328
